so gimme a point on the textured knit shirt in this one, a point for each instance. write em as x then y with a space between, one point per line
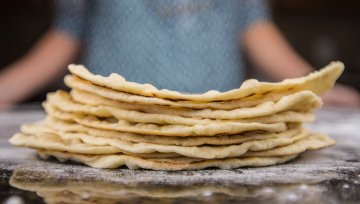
183 45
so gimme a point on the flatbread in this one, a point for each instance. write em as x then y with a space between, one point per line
53 141
252 100
87 98
63 102
53 124
286 116
132 162
304 101
313 142
317 82
87 144
84 144
164 130
108 122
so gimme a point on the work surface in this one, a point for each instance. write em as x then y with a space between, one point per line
331 175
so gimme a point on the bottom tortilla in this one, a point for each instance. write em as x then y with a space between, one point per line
132 162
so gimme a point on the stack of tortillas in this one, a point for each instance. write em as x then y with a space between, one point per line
108 122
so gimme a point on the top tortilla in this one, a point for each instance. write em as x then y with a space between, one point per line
318 82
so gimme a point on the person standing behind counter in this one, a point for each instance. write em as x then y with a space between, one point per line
189 46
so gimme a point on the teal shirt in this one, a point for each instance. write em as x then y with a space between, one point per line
183 45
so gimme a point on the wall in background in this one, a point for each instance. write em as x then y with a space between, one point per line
21 23
322 31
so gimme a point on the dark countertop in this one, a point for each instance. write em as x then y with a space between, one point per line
331 175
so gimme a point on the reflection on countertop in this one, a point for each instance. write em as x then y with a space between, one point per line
53 190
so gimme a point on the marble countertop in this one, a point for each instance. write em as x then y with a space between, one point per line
331 175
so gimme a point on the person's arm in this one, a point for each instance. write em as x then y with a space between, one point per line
43 63
272 55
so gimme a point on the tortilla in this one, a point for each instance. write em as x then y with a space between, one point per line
53 124
252 100
52 141
302 101
317 82
165 130
108 122
87 144
91 99
312 142
132 162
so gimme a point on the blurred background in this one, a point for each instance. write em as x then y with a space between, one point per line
321 31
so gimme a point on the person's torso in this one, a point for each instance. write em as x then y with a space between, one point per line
189 46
